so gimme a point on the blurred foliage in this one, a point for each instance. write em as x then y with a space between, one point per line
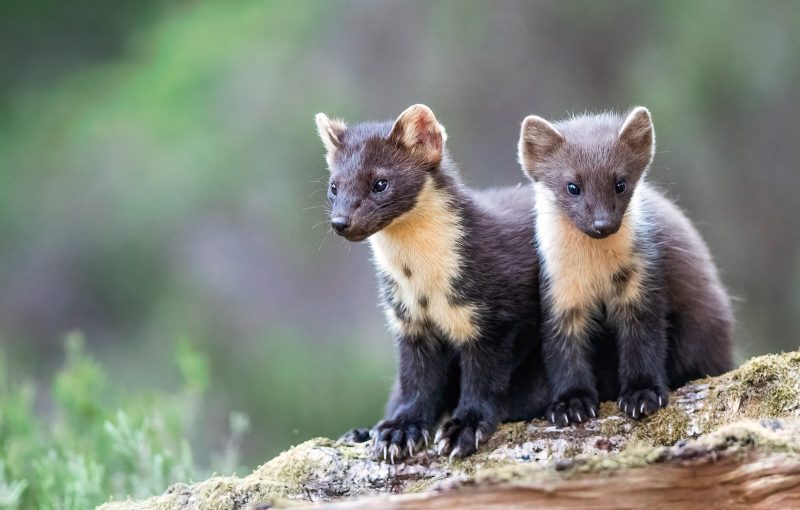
160 178
100 439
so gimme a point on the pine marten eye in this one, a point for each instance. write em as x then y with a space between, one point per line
573 189
380 185
333 189
620 186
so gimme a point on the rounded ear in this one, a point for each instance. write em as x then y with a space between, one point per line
330 131
417 130
638 135
538 139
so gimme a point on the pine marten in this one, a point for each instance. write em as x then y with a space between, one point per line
458 275
632 302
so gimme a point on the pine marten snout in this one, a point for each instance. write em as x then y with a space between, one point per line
632 301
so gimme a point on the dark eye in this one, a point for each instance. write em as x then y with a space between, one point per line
333 189
620 186
379 185
573 189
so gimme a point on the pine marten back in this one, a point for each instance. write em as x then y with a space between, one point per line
626 279
459 279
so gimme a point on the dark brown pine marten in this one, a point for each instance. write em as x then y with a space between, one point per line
631 298
459 279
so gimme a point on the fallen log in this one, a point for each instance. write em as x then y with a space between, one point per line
730 441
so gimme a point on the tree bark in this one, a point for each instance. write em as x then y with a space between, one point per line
730 441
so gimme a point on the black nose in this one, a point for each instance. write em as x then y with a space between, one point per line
603 227
340 223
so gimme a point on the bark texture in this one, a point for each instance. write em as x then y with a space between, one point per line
731 441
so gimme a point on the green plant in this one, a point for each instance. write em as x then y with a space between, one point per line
99 441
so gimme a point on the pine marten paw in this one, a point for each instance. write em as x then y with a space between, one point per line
396 440
461 437
640 403
356 435
572 409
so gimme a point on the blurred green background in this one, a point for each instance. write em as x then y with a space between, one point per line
161 181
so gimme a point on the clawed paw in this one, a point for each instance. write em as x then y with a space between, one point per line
576 409
640 403
396 440
356 435
461 437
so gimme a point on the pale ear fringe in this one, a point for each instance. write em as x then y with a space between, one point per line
443 133
415 111
326 132
652 132
543 121
523 137
631 116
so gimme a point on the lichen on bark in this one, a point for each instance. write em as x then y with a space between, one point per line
715 411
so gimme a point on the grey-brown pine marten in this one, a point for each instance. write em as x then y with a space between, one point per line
631 298
458 274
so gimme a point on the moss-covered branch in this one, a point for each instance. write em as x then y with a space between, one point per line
743 427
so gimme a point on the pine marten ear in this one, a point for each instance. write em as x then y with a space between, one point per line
638 135
538 139
417 130
330 131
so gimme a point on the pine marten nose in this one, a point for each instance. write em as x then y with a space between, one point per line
340 223
603 227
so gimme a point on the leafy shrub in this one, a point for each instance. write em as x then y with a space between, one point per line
96 441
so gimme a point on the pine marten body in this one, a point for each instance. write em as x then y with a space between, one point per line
632 301
459 280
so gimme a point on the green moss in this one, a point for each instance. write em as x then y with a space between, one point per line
511 433
288 472
613 426
664 428
763 369
419 486
766 386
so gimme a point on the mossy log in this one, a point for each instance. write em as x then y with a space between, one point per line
723 442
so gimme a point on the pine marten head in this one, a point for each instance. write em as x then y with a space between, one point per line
378 169
588 166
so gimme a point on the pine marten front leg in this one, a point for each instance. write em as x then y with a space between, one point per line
424 366
641 330
486 367
567 351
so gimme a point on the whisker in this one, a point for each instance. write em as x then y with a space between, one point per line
313 207
326 220
324 238
315 192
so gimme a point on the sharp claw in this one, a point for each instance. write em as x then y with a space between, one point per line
641 408
565 421
410 445
552 417
385 451
425 438
579 416
442 446
478 437
594 413
626 407
455 452
394 451
438 436
660 401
